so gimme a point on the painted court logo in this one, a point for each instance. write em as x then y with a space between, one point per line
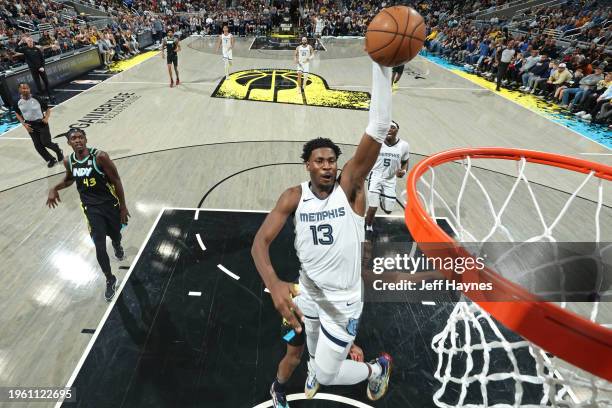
280 86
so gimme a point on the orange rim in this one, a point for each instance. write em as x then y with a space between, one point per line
563 333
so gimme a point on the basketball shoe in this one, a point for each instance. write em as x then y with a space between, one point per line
312 385
377 386
279 397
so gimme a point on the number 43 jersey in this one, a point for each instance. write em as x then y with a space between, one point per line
91 182
328 237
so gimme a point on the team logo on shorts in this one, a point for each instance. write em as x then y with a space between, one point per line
281 86
352 326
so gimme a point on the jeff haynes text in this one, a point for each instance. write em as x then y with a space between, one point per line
440 284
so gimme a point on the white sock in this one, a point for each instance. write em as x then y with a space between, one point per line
380 103
376 370
369 228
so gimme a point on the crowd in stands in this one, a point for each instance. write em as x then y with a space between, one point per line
573 72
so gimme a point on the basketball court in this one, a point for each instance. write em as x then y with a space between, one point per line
193 325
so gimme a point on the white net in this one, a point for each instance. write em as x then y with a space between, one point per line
477 357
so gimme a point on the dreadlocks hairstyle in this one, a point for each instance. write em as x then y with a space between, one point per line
317 144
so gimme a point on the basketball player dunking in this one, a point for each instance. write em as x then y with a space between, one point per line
302 56
392 163
329 229
102 199
226 42
170 48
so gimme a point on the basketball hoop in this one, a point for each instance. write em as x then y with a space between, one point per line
581 340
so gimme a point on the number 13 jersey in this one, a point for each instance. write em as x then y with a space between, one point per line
328 238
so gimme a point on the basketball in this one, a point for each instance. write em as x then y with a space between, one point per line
395 36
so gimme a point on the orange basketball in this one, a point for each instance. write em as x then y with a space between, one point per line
395 36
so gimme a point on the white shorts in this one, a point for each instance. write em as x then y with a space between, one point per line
337 320
227 55
381 192
303 67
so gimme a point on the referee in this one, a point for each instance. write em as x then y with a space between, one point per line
33 113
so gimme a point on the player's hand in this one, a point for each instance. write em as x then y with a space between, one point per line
400 173
124 215
356 353
53 199
282 293
27 127
45 121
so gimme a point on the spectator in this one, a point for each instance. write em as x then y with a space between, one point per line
588 83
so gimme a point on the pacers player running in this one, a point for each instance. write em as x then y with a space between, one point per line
391 163
226 41
329 229
302 56
102 199
170 48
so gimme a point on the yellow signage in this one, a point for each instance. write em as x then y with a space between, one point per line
281 86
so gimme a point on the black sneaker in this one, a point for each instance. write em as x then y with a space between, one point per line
279 398
51 163
111 287
60 156
119 253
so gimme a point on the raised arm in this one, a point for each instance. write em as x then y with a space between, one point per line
280 291
357 168
53 198
109 168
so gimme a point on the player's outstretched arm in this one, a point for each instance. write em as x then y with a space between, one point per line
357 168
53 198
280 291
109 168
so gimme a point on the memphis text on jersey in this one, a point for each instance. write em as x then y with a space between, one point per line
322 215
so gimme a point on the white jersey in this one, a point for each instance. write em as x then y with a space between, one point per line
226 42
390 159
319 26
328 237
303 53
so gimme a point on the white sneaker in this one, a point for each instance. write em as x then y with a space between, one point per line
312 385
586 117
580 114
